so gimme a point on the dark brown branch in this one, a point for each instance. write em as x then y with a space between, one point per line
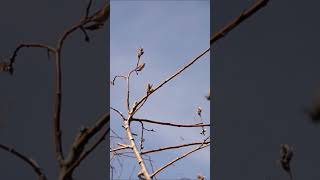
31 45
89 151
170 124
118 76
88 133
27 160
173 76
243 16
173 147
128 90
57 95
86 36
57 110
83 138
88 9
117 111
9 65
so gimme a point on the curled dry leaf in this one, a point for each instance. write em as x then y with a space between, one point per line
286 157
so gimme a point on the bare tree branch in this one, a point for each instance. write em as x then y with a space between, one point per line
89 151
170 124
179 158
173 76
172 147
29 161
143 168
83 138
243 16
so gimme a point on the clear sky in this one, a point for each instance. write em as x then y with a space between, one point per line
171 33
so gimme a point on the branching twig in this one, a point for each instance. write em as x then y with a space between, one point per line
84 136
90 150
173 76
178 158
120 148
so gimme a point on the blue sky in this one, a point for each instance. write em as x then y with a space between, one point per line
171 33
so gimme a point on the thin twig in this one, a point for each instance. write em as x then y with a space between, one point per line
170 124
117 111
88 9
172 147
118 76
29 161
120 148
178 158
31 45
243 16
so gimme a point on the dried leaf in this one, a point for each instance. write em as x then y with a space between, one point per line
140 67
286 157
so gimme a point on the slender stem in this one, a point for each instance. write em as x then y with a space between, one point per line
243 16
177 159
90 150
120 148
172 147
117 111
29 161
170 124
57 110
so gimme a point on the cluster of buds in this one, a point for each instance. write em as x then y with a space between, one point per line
149 88
140 52
199 111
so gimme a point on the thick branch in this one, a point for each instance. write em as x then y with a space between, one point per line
27 160
135 150
243 16
170 124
